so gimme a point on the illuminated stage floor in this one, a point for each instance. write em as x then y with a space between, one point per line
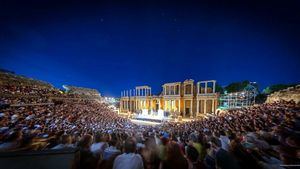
143 122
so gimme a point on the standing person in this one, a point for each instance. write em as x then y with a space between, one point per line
87 159
129 159
224 160
224 140
174 158
150 154
99 145
194 141
193 158
112 149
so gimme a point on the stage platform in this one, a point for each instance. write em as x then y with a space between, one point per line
152 116
145 123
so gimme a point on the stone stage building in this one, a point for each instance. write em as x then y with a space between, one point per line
178 98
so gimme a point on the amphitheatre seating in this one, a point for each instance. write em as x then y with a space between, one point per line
288 94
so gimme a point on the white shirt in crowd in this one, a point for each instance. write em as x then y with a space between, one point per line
225 142
128 161
97 148
63 146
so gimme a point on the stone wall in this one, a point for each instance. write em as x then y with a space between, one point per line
291 93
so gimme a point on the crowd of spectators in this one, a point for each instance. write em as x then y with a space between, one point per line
19 90
263 136
92 93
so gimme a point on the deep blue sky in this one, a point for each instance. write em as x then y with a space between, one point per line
111 46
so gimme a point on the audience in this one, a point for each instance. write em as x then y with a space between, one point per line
36 116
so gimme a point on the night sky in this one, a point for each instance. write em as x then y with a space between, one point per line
112 46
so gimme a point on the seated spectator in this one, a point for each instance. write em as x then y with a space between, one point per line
129 159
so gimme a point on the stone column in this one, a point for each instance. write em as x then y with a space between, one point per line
191 112
213 105
197 113
179 105
214 87
205 106
184 101
136 105
192 88
205 87
121 108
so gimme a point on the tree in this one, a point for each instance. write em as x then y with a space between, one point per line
219 89
276 87
237 86
260 98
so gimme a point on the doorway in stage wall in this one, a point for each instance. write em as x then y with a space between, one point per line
187 108
187 112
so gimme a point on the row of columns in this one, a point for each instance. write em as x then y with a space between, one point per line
139 104
213 104
171 88
136 92
205 88
143 92
168 103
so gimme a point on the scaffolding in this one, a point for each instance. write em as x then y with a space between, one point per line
238 99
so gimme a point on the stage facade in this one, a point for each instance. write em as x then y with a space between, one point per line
185 99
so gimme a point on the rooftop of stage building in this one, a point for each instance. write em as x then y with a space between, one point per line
171 83
142 87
